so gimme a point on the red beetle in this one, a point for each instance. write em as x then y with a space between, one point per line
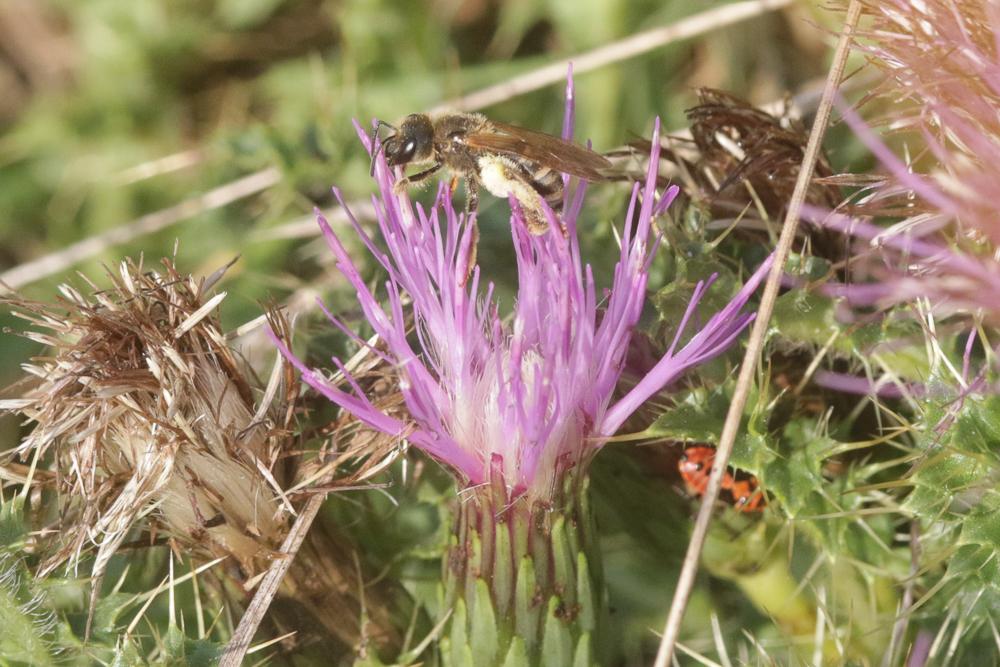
696 465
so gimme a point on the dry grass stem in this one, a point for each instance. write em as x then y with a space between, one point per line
305 226
56 262
634 45
164 165
755 345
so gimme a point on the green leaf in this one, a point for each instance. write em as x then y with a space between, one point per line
25 619
982 527
174 643
698 418
127 654
794 476
12 528
809 317
956 471
977 563
694 420
108 609
806 317
202 652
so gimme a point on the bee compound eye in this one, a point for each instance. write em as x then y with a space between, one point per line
409 148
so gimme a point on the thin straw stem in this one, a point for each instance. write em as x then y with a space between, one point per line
238 645
629 47
58 261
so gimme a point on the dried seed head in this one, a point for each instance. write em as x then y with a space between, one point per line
148 413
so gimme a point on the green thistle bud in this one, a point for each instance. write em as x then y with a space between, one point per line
522 579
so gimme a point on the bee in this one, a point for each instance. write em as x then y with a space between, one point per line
504 159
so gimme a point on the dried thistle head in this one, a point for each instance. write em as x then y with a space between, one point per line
742 162
149 414
746 151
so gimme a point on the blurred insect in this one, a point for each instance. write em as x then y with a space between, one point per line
695 467
504 159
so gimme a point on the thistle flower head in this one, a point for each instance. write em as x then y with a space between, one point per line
526 399
149 414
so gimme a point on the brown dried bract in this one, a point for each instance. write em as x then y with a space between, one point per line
742 162
742 145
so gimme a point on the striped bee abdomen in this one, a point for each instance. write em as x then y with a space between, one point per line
548 183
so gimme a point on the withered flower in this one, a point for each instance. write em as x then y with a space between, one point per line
147 411
148 419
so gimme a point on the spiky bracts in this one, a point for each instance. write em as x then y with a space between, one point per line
523 579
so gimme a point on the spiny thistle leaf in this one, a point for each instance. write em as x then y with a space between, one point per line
697 418
181 650
127 654
29 624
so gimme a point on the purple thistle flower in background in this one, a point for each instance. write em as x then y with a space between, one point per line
942 82
532 398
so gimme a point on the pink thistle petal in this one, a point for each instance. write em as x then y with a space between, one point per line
529 401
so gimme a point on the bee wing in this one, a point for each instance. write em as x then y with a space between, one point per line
541 148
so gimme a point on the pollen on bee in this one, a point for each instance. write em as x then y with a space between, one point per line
495 173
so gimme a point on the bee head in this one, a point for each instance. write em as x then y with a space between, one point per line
412 142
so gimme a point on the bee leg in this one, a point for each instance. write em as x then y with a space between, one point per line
471 204
403 183
535 220
531 195
471 195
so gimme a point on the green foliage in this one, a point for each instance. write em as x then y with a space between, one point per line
28 636
238 86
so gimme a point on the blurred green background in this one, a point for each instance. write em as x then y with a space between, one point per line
113 110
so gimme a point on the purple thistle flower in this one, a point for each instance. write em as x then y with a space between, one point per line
533 398
942 67
907 267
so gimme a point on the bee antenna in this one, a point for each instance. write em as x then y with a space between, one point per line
376 149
